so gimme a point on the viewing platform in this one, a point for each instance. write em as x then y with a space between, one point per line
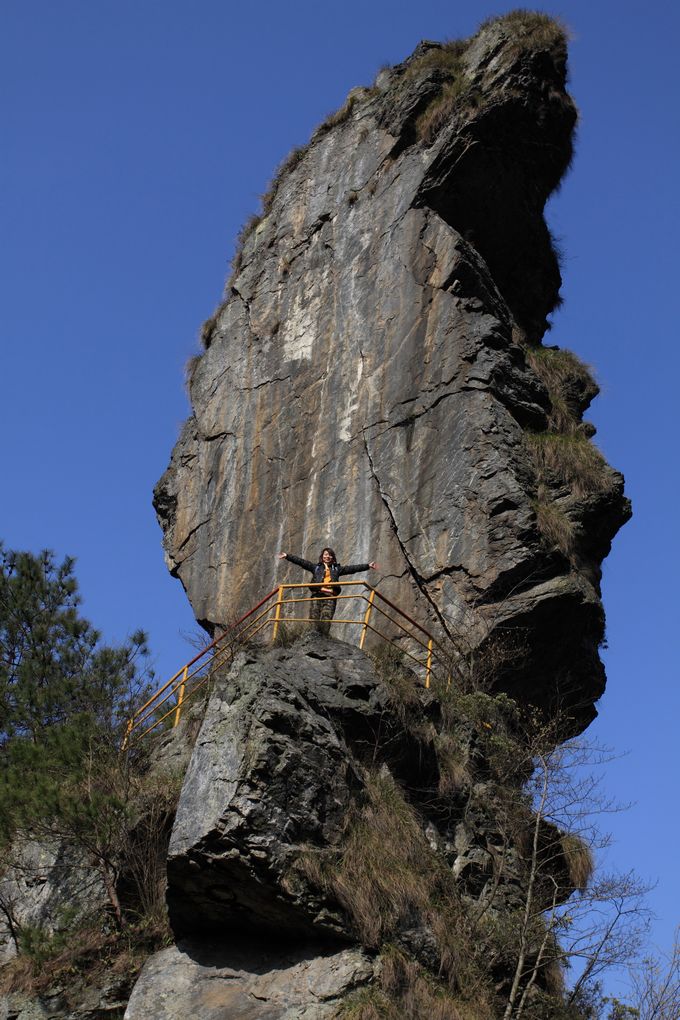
289 605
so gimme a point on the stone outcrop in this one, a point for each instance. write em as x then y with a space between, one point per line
46 885
369 381
252 982
376 379
348 843
275 770
77 999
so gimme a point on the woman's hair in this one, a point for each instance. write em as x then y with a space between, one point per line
328 549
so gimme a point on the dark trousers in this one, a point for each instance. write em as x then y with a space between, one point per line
322 611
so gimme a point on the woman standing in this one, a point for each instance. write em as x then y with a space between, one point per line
326 572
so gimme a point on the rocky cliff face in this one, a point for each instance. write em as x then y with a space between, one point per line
376 378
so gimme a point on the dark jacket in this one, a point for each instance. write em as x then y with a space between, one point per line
317 571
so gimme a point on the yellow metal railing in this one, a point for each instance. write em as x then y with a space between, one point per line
427 655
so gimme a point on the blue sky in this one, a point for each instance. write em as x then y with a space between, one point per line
137 138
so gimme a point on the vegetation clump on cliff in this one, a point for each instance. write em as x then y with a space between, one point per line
530 29
566 461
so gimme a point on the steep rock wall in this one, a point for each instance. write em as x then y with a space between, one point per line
369 382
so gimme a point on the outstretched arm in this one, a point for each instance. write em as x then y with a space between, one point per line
305 564
357 568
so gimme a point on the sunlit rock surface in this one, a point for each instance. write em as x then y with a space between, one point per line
249 981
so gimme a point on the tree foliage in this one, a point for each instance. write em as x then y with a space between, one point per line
64 699
53 666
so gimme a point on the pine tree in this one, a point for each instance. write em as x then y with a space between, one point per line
53 667
64 701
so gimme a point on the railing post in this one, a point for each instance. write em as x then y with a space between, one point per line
128 731
367 618
429 662
277 614
180 696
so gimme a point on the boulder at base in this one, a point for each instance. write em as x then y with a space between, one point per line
246 981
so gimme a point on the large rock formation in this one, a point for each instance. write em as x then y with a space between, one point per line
349 844
375 377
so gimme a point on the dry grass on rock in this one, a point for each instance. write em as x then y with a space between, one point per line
292 160
563 454
388 879
570 459
288 633
407 992
455 97
400 680
207 331
562 373
385 875
579 860
447 58
87 953
555 527
454 771
531 29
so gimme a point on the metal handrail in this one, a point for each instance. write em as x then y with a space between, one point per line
250 624
432 642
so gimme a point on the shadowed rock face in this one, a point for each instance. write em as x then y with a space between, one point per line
274 771
366 383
